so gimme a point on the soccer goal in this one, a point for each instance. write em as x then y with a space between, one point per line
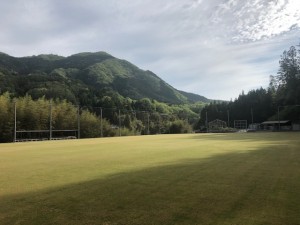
240 124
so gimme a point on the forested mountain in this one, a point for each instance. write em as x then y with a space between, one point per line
194 97
84 79
114 94
106 92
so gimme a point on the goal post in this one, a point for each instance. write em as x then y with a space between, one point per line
240 124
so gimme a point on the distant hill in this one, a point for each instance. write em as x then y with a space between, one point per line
85 77
194 97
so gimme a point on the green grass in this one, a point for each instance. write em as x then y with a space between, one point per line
241 178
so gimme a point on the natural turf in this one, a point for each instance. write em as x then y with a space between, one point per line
240 178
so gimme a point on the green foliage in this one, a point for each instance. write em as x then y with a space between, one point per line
90 125
92 80
288 78
64 115
83 79
6 118
127 132
257 103
132 117
179 127
35 115
194 98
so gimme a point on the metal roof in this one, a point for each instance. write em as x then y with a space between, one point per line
276 122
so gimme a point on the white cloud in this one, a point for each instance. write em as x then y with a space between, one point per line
257 19
216 48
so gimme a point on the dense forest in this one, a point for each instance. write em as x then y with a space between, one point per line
117 96
104 96
281 100
85 79
128 117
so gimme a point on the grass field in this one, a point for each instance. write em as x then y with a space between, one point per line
240 178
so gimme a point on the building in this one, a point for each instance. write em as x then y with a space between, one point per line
283 125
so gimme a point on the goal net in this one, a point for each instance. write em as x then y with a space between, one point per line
240 124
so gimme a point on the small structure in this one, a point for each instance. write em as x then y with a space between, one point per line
283 125
216 125
254 126
240 124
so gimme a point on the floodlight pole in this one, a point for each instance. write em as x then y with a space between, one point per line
135 130
228 118
206 121
15 121
101 124
119 123
50 121
252 116
159 124
78 122
148 117
278 118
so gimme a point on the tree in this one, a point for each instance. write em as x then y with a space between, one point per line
288 77
180 126
6 118
89 125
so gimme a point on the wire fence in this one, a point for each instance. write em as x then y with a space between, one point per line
52 123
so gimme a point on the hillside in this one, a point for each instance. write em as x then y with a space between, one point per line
85 78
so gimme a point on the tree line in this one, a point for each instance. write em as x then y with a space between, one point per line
280 99
110 114
113 118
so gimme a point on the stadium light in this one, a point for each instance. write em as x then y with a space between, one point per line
101 123
119 123
50 121
78 122
15 118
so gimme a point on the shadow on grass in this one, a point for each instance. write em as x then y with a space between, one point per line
258 187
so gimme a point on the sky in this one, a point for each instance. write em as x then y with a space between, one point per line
215 48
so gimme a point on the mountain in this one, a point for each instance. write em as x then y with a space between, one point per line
84 78
194 97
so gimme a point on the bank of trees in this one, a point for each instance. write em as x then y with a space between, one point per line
110 117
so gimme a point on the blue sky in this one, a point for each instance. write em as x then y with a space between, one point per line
215 48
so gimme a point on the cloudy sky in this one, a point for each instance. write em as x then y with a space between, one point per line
215 48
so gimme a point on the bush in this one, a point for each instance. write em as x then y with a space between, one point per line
180 126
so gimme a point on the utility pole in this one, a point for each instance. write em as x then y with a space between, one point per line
206 122
159 124
119 123
252 116
278 118
101 124
15 124
50 121
78 122
228 118
148 117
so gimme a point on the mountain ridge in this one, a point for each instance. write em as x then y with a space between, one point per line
93 74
